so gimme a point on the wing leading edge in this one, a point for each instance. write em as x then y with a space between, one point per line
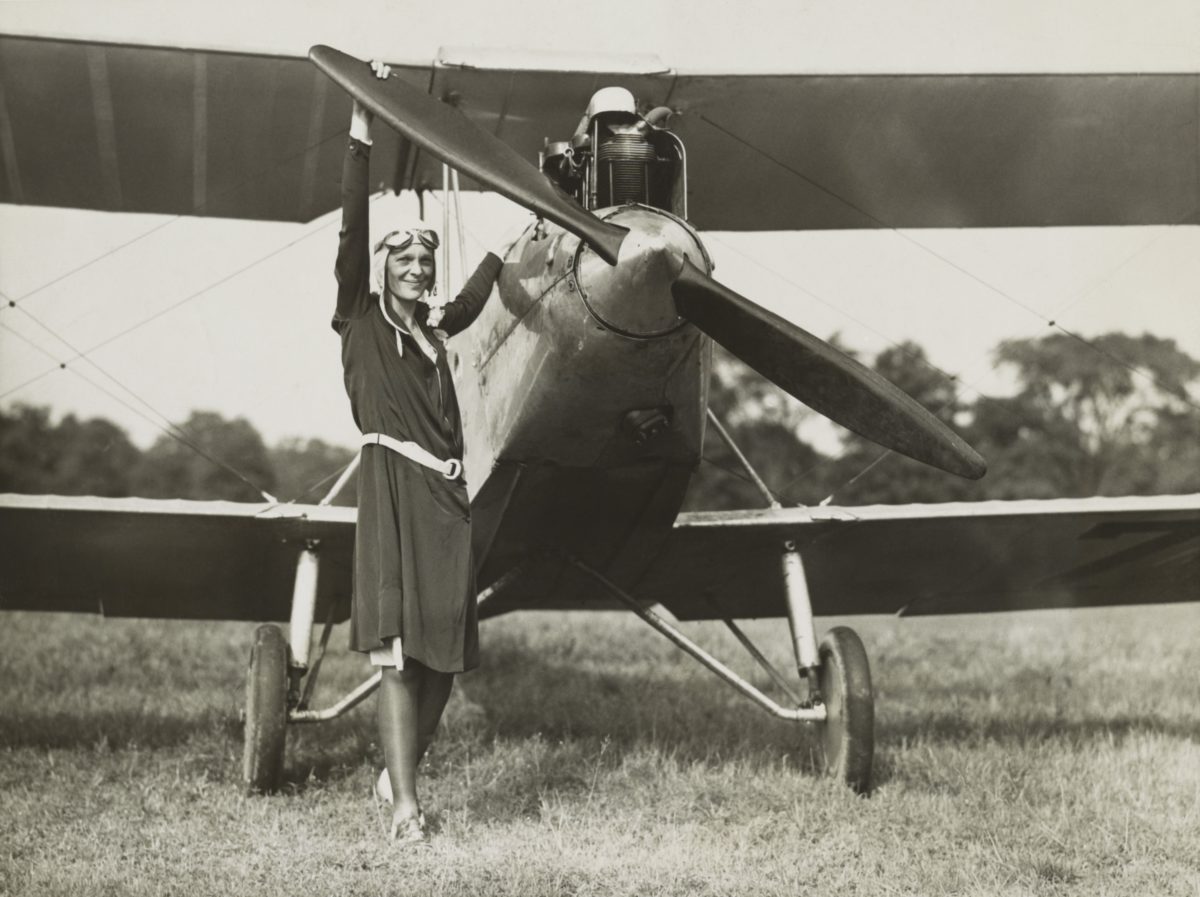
935 559
234 561
133 557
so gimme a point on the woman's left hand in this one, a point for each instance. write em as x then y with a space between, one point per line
511 236
360 116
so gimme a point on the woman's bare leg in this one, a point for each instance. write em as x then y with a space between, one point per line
431 702
398 732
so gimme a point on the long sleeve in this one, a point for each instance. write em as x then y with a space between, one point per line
353 266
458 314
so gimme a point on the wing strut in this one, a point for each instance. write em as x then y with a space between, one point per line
772 501
840 700
799 602
806 712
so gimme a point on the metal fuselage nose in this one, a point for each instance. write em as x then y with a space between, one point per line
575 350
633 298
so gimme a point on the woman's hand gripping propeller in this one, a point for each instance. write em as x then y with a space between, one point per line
824 378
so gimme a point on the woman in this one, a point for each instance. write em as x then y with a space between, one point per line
414 580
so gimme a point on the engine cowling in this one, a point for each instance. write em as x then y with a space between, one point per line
634 298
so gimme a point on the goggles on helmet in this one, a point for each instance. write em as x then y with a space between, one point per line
402 239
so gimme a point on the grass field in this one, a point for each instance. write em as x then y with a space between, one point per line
1040 753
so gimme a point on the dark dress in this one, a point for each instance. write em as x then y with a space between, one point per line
414 574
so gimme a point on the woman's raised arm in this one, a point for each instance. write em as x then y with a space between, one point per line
353 266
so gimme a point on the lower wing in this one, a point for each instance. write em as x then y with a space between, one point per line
934 559
227 560
135 557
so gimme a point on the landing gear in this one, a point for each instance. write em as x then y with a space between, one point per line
266 711
281 681
839 681
281 678
839 700
848 732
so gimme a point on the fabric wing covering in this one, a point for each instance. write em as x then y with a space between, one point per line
179 131
225 560
135 557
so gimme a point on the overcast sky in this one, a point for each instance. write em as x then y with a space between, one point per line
233 316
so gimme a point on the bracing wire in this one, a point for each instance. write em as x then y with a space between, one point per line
175 432
960 383
458 223
952 378
969 383
445 204
739 475
172 429
1049 321
464 227
170 308
252 177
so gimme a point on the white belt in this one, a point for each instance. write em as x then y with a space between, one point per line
451 469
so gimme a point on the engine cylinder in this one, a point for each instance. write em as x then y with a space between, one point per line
625 158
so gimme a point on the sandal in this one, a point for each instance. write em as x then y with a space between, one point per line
408 830
383 793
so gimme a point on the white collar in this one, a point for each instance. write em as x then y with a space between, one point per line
424 344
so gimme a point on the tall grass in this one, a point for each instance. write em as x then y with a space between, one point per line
1040 753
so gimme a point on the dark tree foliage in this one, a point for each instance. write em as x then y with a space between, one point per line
74 457
866 473
1117 416
96 457
26 450
762 421
173 469
306 469
1171 463
1110 418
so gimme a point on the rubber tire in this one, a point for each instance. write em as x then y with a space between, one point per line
848 734
266 711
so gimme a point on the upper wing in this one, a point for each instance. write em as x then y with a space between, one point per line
934 559
801 152
189 131
135 557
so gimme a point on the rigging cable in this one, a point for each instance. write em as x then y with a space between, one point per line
1178 393
1050 321
163 311
179 433
1182 396
172 429
255 176
960 383
956 382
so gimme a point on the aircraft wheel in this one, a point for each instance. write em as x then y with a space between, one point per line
849 731
266 711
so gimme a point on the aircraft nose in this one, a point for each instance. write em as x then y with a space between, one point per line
634 297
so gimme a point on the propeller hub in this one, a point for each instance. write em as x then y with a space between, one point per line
633 298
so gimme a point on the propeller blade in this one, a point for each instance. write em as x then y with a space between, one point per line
820 376
454 139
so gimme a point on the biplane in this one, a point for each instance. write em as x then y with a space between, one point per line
584 383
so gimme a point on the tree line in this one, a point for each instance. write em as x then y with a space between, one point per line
1115 415
209 457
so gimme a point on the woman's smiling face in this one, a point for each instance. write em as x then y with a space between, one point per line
410 271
